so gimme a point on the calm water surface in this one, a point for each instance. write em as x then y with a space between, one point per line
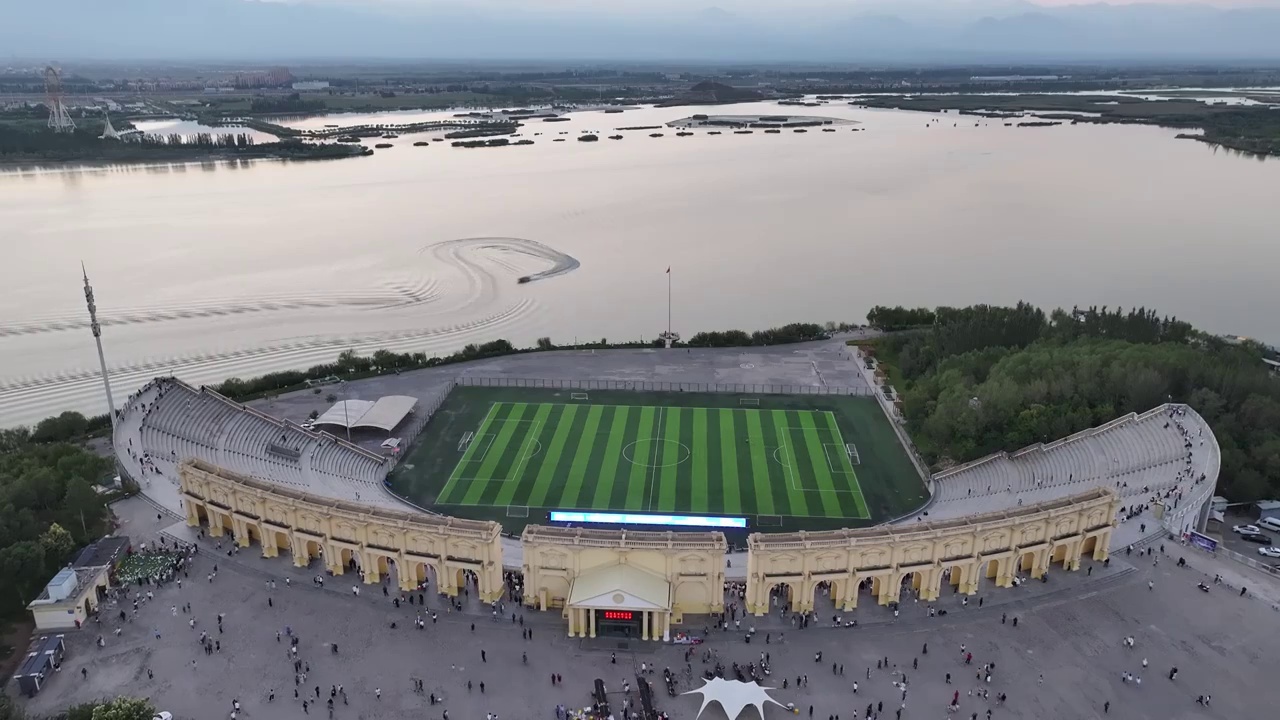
215 270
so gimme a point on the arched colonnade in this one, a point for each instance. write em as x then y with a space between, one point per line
422 548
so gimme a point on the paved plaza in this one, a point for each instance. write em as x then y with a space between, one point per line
1069 633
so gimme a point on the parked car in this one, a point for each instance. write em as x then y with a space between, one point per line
1246 529
1271 552
1256 538
163 715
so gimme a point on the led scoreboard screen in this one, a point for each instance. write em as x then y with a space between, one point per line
573 516
618 615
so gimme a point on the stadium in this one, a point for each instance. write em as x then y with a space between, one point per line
578 484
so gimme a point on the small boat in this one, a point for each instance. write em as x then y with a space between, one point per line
382 146
655 134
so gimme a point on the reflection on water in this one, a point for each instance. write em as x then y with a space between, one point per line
250 266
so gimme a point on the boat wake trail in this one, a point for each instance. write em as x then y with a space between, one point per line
458 252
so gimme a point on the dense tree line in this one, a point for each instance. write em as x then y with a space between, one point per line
48 507
983 379
899 318
792 333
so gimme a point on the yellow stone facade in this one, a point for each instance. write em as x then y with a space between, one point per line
681 573
310 527
999 545
691 565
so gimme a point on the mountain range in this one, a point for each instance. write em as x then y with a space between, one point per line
915 31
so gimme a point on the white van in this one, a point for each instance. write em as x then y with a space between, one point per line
1270 523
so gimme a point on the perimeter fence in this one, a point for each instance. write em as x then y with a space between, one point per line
648 386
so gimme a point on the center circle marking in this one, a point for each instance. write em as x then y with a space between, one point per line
651 452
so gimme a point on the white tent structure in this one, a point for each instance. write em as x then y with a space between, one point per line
384 414
108 132
733 696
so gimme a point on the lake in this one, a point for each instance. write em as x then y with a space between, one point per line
214 270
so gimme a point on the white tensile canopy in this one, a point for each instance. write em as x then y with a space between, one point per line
385 414
733 696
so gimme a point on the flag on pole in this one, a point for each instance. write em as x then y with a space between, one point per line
668 269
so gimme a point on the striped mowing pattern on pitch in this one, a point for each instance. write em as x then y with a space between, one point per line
719 461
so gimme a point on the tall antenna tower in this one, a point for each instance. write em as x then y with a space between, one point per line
59 118
97 338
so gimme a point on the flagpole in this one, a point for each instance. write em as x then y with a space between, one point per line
668 301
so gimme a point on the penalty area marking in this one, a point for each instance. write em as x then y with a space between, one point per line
529 447
787 460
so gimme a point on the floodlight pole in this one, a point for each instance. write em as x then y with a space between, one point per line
96 328
346 419
668 302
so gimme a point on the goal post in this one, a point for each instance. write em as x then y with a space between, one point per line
769 521
578 396
517 511
852 450
749 402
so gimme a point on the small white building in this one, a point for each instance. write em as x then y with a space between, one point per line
70 598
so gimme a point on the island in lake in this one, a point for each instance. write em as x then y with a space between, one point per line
757 121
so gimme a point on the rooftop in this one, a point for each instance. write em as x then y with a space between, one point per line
102 552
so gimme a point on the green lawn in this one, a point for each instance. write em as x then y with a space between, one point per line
784 462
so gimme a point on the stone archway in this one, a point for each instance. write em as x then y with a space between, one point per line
783 596
281 539
1061 555
1027 562
1090 545
349 558
313 550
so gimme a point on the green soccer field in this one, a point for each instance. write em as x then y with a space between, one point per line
720 461
784 462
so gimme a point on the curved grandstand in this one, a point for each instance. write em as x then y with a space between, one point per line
1163 464
168 421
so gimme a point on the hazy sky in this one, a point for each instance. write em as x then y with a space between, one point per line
758 5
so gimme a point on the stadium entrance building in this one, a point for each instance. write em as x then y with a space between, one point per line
623 583
620 601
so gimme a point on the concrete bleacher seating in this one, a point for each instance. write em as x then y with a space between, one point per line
1141 457
169 421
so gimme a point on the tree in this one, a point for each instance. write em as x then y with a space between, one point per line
57 543
125 708
67 426
1038 380
22 568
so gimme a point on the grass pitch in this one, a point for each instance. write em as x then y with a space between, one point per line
512 454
